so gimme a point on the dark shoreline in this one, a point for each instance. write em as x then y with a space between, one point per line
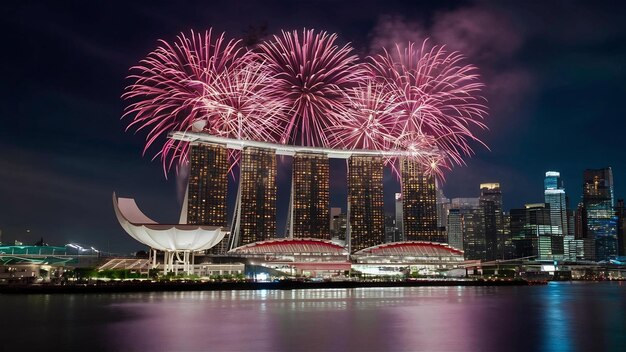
120 287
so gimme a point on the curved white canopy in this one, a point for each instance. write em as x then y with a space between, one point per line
179 237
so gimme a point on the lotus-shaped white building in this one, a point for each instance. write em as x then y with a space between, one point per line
179 242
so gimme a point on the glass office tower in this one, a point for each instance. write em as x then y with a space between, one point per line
554 196
598 201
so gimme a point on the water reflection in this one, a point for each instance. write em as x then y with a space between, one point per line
557 317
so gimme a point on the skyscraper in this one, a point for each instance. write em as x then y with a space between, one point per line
620 212
208 184
365 202
509 248
334 211
474 233
340 225
419 203
532 232
255 218
491 201
390 228
399 221
580 221
554 195
454 228
310 192
443 206
466 227
574 245
598 200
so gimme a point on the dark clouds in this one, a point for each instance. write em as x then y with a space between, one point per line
486 36
553 70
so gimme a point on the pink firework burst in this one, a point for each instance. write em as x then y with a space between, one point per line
313 74
237 106
371 120
423 150
439 96
167 84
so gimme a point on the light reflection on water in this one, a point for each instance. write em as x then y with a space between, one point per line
556 317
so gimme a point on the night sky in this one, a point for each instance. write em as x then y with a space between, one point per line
554 72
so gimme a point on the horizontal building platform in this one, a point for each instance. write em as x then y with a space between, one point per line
283 149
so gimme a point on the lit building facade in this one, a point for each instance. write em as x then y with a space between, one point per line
443 206
334 211
620 212
208 185
533 233
554 195
491 202
365 202
419 204
474 244
466 227
255 218
340 226
390 229
455 228
398 211
310 196
509 248
598 201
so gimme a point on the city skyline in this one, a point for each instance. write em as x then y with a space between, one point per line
77 153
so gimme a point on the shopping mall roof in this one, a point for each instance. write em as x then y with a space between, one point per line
411 249
301 246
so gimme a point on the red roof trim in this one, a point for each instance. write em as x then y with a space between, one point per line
294 241
410 244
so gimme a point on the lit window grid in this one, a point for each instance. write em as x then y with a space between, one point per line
365 194
311 196
208 185
419 203
258 195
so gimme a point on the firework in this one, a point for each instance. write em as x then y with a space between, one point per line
302 88
168 84
237 104
371 120
314 75
423 150
439 97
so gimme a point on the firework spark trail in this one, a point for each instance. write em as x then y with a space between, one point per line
370 121
440 96
165 88
301 88
424 151
237 105
314 74
201 83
